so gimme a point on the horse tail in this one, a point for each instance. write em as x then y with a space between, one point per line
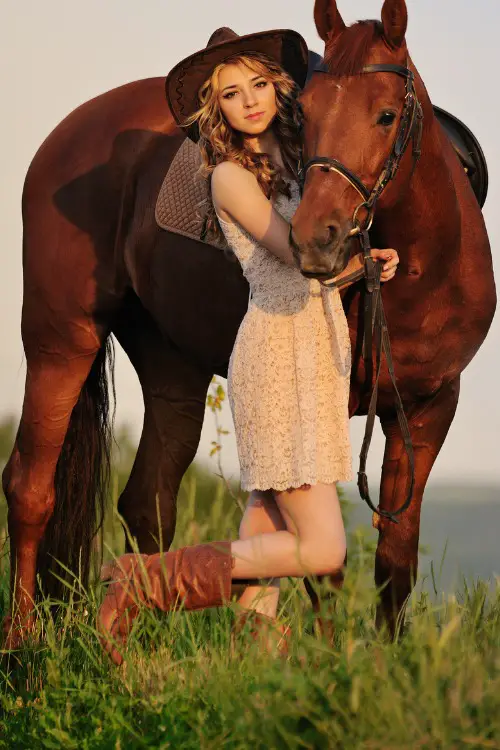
81 482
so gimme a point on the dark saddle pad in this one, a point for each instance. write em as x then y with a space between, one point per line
468 150
181 205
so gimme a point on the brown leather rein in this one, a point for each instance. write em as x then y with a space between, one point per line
375 324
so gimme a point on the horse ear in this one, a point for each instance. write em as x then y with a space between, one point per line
394 21
328 20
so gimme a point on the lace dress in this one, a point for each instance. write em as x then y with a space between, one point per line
288 376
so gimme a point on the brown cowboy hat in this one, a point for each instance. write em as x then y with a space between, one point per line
183 82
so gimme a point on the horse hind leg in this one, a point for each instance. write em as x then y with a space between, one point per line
57 381
174 393
396 560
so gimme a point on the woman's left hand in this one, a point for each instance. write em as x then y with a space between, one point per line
390 258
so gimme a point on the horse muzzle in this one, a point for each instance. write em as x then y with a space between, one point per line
320 259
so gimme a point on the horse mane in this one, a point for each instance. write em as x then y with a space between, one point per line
347 55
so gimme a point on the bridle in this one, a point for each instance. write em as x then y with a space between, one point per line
410 127
375 325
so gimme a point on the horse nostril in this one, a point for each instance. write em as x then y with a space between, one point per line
333 232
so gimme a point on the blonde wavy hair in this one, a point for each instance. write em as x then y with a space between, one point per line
220 142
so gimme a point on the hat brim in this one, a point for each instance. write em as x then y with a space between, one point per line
182 84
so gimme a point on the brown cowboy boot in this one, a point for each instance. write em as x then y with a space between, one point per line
271 636
195 577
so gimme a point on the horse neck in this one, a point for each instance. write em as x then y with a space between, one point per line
424 218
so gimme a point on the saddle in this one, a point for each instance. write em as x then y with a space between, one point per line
181 205
468 151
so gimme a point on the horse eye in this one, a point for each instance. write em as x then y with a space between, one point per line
386 119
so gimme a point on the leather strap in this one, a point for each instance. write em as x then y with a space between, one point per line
375 328
333 165
389 68
350 278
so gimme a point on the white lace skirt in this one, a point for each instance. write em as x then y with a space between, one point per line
288 388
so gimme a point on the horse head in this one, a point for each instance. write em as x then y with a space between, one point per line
358 114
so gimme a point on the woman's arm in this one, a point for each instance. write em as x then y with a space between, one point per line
236 191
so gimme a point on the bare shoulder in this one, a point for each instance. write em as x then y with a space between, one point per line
238 197
229 173
233 186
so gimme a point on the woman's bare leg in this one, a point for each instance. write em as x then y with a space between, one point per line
313 543
261 516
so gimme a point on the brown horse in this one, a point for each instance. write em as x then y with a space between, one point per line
96 263
442 300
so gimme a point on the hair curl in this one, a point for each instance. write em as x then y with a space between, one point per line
220 142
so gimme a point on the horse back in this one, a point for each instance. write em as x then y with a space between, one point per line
75 196
110 127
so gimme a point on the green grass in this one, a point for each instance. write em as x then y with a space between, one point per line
185 685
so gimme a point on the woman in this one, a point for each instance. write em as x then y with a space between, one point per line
288 378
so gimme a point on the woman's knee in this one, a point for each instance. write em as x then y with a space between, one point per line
323 555
328 559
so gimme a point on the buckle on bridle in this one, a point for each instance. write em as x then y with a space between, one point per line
357 227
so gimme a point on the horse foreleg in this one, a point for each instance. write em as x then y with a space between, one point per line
53 384
396 561
174 393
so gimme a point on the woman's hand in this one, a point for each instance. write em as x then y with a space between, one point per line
388 257
391 259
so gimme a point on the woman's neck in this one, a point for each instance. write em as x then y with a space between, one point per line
267 143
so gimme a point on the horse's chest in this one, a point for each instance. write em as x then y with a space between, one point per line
424 349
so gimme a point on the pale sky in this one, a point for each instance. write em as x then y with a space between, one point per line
56 54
